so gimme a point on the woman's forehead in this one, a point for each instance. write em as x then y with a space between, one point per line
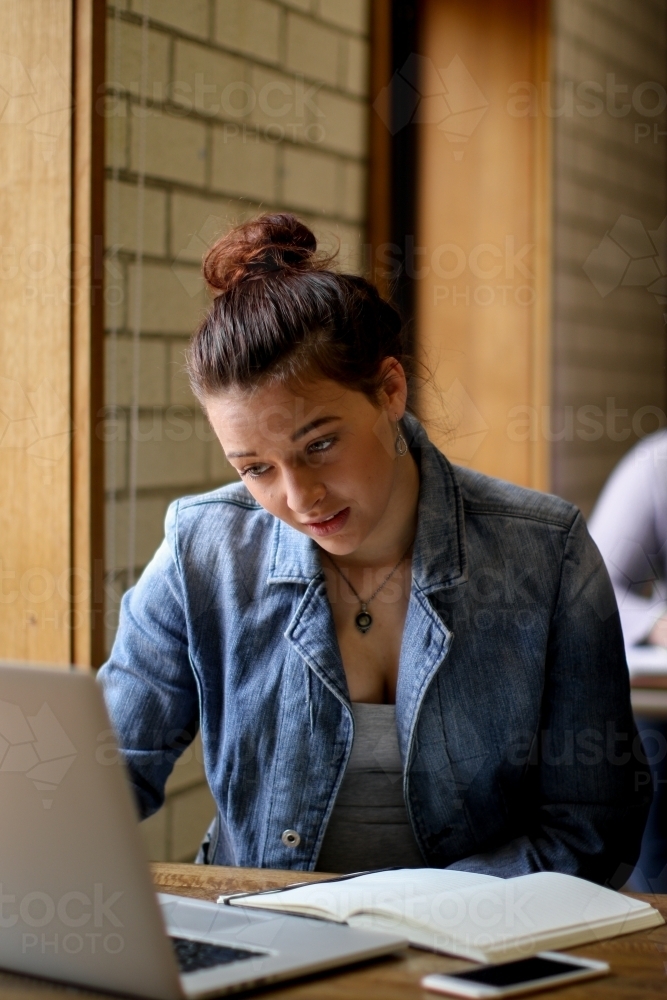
275 411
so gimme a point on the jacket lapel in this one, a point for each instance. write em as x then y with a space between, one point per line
426 642
438 563
312 633
295 560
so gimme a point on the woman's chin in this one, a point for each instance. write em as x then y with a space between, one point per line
343 544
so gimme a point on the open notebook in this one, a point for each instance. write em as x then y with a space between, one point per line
479 917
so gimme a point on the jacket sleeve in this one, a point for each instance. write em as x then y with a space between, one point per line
623 526
587 785
148 683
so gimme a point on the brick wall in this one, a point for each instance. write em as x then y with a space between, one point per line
609 163
216 109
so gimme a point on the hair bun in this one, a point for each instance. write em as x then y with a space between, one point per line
271 242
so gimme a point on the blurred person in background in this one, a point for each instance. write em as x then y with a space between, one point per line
629 525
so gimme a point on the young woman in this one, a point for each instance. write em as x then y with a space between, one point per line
392 661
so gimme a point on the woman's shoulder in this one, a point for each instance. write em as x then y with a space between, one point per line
233 494
487 496
229 510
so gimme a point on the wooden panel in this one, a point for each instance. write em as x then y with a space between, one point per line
51 177
481 267
35 184
88 337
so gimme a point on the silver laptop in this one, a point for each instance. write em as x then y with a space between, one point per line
76 899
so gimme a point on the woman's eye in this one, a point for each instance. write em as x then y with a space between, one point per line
322 445
255 471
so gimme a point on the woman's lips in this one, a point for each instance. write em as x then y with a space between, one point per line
329 527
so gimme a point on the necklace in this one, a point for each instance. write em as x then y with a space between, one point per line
363 620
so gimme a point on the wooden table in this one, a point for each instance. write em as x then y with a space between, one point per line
638 961
649 696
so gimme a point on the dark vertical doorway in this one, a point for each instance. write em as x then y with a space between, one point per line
404 17
392 172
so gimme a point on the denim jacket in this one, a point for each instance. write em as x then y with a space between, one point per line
513 709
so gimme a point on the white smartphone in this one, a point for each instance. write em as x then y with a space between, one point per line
543 971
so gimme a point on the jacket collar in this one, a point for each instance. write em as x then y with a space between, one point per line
439 556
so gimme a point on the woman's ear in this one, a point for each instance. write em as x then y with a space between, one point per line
394 387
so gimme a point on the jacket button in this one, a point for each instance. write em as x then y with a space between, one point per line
290 838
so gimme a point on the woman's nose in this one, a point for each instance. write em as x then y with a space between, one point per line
302 491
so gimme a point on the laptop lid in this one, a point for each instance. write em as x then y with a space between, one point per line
76 898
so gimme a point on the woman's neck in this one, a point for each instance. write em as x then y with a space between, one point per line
395 532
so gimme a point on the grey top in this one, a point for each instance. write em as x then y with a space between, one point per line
629 525
369 826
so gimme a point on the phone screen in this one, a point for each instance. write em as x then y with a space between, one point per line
525 970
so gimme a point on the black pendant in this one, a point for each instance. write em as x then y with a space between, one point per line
363 621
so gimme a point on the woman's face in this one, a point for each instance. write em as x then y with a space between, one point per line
320 457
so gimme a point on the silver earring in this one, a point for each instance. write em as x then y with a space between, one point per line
400 444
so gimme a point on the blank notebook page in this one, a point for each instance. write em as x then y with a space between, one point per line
394 892
525 907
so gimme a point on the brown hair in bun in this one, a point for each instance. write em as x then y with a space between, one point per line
279 241
282 312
